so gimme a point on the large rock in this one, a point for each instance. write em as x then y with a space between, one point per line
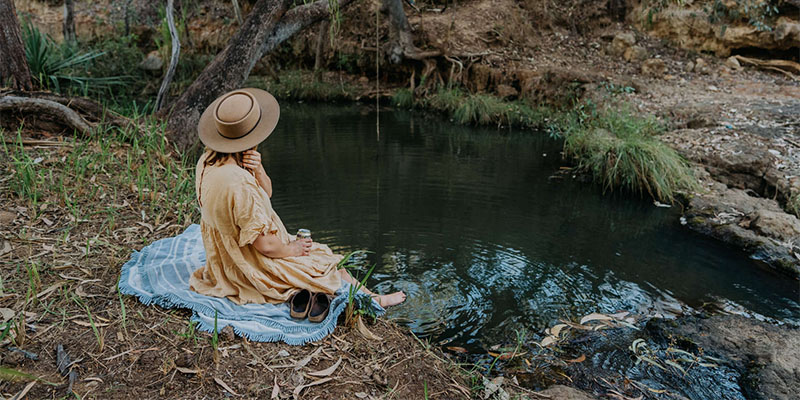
775 224
689 27
767 356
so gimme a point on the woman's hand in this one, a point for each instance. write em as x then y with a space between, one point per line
300 247
252 162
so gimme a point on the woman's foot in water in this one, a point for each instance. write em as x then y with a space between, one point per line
392 299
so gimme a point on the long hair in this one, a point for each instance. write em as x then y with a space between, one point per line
215 157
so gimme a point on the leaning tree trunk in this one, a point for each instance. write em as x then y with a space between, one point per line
69 21
14 70
228 71
267 26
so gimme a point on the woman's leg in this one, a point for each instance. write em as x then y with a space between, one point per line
385 300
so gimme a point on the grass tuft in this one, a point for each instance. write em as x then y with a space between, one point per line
302 85
621 150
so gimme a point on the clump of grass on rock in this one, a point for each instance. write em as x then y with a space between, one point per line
621 150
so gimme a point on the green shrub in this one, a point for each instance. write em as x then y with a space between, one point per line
62 67
620 149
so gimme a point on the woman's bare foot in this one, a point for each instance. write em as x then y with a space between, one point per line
393 299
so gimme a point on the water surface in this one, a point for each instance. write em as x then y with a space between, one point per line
470 224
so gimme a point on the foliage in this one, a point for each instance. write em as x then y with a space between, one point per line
302 85
403 98
58 67
620 149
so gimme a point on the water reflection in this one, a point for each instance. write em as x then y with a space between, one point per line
470 225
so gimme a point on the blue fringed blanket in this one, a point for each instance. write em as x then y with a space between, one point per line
159 274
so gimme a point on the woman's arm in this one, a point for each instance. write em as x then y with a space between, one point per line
252 163
271 246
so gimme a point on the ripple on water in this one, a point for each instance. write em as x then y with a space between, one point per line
467 223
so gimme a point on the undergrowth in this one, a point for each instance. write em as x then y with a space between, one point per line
617 146
92 177
302 85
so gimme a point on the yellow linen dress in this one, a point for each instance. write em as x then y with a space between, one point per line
235 210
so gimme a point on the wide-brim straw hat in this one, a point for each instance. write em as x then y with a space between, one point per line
238 120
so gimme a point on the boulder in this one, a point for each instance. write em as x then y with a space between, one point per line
635 53
654 67
152 62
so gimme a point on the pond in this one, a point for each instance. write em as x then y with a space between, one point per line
472 224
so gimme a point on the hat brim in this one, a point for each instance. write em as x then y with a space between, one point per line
270 113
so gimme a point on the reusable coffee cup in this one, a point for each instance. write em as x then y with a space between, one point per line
303 234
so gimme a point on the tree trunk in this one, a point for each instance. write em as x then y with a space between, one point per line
173 59
47 108
69 21
228 71
322 36
402 39
267 26
298 19
14 70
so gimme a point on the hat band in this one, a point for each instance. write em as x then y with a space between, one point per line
260 114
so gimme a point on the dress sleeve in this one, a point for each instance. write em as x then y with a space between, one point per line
250 214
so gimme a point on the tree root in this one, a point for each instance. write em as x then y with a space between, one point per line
75 113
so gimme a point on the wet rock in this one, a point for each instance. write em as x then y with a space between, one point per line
767 356
620 43
152 62
506 91
566 393
654 67
635 53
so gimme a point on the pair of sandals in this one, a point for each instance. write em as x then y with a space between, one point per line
314 306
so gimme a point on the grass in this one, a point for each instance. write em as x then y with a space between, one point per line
621 150
302 85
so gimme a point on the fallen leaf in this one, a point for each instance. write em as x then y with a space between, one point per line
187 370
548 341
300 388
47 221
276 390
580 359
327 371
595 317
362 329
6 248
302 363
7 314
225 386
88 324
456 349
24 391
556 329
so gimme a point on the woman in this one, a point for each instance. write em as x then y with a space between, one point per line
251 258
